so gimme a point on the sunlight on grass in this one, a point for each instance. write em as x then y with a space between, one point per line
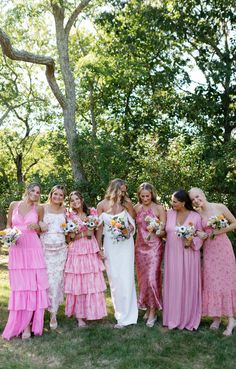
100 346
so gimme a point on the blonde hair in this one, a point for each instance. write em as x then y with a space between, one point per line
148 187
197 189
54 188
30 187
113 190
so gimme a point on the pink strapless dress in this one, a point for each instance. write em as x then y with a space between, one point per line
219 276
148 255
84 281
28 279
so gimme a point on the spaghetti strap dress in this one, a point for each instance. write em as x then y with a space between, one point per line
28 278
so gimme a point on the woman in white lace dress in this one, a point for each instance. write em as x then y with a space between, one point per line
54 247
116 212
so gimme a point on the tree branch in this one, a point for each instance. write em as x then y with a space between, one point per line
74 15
25 56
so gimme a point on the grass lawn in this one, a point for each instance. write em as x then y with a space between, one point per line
101 346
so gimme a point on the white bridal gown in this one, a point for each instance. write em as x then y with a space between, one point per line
119 261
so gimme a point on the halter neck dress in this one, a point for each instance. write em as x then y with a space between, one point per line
148 254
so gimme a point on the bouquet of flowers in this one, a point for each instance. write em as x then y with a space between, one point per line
91 222
186 232
217 222
154 225
70 227
119 229
9 236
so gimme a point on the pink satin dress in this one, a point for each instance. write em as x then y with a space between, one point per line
28 279
148 263
219 276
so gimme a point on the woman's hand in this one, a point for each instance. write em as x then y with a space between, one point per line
33 226
202 235
43 226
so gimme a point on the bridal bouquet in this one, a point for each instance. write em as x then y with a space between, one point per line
186 232
70 227
154 225
91 222
119 229
9 236
217 222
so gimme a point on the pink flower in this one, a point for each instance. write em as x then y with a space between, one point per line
93 211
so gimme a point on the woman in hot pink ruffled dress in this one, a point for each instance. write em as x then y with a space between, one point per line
219 268
27 269
84 281
182 293
150 219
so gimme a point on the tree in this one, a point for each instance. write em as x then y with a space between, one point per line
66 99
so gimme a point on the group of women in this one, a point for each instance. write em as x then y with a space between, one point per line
44 264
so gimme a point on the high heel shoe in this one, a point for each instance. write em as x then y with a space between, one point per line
26 334
215 325
81 323
229 330
53 322
150 322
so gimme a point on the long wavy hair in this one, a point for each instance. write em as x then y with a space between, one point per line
53 189
113 191
148 187
183 196
80 196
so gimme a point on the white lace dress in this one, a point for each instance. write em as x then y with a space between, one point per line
119 264
55 253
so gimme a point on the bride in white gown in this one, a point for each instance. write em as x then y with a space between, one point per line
119 251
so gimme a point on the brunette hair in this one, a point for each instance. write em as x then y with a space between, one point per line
113 189
30 187
80 196
150 188
54 188
183 196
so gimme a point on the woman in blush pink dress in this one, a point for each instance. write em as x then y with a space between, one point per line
182 274
84 281
27 269
148 252
219 268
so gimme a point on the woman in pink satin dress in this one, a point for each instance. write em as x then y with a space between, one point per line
182 272
27 269
148 252
219 267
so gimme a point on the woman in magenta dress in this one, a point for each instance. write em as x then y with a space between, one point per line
84 281
182 274
149 251
27 270
219 268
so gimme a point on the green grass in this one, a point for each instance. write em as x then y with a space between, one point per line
100 346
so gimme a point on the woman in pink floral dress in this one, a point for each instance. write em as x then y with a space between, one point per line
219 268
149 251
27 269
84 281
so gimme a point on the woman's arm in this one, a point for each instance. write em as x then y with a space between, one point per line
231 219
99 231
161 214
9 215
129 207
